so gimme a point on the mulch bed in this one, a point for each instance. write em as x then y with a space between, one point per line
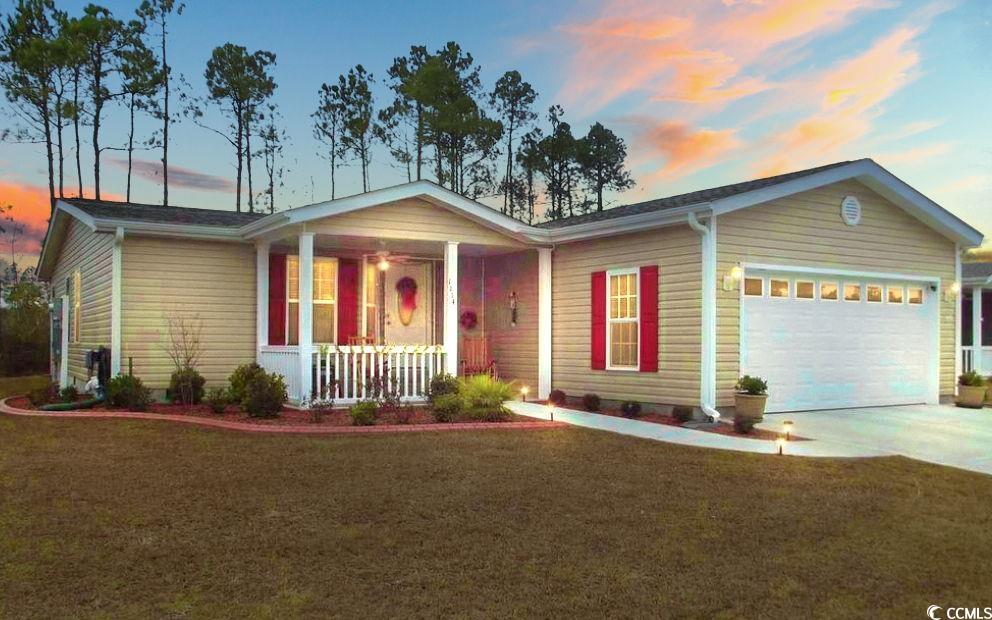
720 429
287 417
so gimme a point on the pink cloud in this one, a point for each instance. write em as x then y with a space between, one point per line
683 148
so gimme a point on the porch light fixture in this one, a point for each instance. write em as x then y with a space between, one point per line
780 442
523 393
383 264
787 429
952 291
732 278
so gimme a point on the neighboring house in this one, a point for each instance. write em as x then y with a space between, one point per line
839 284
976 317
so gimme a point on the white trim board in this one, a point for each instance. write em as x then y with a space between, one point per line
850 273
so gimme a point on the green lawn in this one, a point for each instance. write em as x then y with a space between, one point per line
10 386
146 519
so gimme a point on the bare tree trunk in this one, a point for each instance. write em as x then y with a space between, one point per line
334 165
248 155
97 109
507 189
130 149
58 129
46 119
75 126
240 155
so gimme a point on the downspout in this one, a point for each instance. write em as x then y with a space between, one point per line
707 382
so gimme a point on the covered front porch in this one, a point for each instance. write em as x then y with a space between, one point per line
346 317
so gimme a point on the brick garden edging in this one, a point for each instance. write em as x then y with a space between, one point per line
294 429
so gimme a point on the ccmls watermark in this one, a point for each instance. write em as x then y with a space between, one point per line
936 612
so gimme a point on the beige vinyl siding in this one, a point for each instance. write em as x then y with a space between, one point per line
92 253
806 230
676 250
214 281
513 347
411 219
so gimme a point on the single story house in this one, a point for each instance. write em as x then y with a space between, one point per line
840 285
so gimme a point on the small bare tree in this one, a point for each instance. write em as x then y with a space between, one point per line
184 349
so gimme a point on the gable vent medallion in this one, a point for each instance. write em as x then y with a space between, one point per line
850 211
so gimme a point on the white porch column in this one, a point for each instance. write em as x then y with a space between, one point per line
976 329
262 293
306 313
450 316
543 323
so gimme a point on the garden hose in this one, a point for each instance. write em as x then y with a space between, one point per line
83 404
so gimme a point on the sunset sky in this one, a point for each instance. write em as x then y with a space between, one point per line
704 93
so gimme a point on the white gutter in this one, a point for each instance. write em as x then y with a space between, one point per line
707 379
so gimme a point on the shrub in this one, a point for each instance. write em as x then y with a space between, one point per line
128 392
972 379
186 386
364 413
682 413
217 399
484 397
43 395
447 407
743 424
630 408
403 415
264 395
591 402
441 385
557 397
69 394
320 408
755 386
239 380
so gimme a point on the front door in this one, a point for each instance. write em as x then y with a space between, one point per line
408 293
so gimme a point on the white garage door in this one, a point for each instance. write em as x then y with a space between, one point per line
827 342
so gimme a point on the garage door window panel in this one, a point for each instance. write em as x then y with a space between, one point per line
778 289
828 291
874 295
754 287
915 296
805 289
895 294
852 292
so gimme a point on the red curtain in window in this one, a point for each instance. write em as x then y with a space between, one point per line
277 299
598 311
347 299
648 302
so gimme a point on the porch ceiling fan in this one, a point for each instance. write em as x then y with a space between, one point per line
384 258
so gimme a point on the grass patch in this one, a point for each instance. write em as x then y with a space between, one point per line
129 518
19 386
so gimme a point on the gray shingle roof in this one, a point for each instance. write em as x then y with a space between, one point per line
681 200
160 214
971 271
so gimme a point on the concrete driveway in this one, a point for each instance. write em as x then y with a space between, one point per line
940 434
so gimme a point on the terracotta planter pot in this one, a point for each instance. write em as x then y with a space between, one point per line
750 405
972 396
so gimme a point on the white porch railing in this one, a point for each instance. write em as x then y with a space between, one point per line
967 359
348 374
976 358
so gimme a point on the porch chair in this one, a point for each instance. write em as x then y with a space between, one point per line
475 358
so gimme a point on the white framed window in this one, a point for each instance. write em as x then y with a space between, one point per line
852 292
778 288
623 323
914 295
895 294
874 294
754 287
77 304
805 289
325 289
371 301
829 291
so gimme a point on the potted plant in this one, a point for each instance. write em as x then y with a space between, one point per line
750 398
971 390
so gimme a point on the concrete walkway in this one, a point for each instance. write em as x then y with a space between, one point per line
941 434
688 437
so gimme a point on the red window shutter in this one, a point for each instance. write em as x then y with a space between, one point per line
598 320
277 299
347 299
648 302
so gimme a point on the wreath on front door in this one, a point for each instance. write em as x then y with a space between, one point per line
469 319
406 299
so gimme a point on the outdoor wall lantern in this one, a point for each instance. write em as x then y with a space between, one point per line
733 278
952 291
513 308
